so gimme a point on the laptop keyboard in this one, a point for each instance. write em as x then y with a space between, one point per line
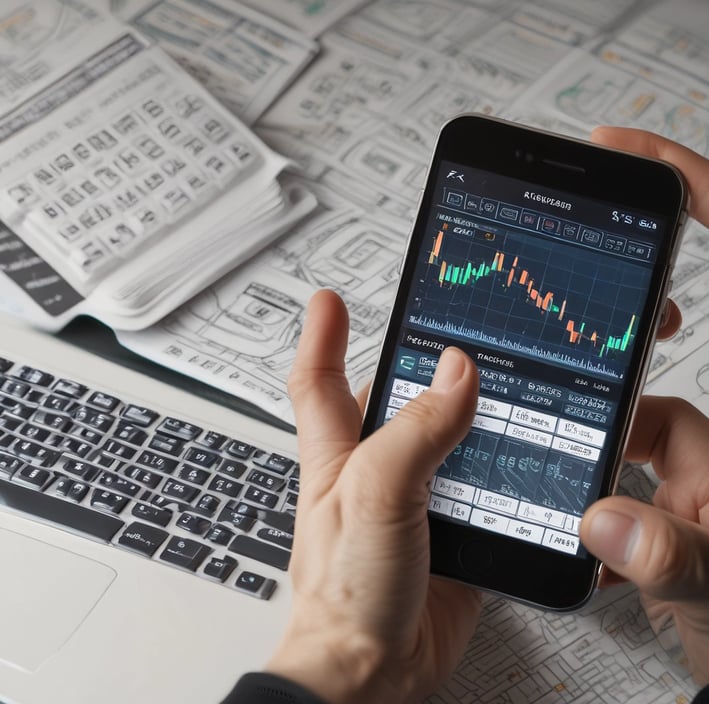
164 488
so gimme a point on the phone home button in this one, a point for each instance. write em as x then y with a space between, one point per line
475 557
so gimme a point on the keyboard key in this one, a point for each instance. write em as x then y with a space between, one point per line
66 387
255 584
185 553
144 476
179 428
207 505
139 415
179 490
34 453
57 422
202 458
231 468
219 535
5 364
238 520
76 446
274 519
225 486
9 464
71 489
88 435
142 538
266 481
160 462
170 504
15 388
193 474
15 408
159 516
34 432
81 469
8 424
63 486
277 537
275 463
193 523
220 568
240 449
64 513
78 491
32 477
34 376
103 401
108 501
259 496
167 444
61 404
212 440
119 484
113 447
103 459
93 418
263 552
131 434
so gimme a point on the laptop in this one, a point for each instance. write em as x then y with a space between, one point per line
144 532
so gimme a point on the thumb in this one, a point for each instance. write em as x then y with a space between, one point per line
666 556
413 444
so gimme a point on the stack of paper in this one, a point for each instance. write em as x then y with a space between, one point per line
125 186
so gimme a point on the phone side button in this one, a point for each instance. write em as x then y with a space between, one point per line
475 558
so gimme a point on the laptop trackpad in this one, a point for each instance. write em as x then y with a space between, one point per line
46 592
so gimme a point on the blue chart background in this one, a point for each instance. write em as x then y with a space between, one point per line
601 290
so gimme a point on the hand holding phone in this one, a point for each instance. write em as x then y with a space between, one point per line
548 261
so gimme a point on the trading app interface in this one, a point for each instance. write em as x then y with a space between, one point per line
544 291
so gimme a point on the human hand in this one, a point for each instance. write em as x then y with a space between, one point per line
368 622
693 166
664 548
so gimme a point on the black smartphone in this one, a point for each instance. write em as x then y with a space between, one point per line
548 260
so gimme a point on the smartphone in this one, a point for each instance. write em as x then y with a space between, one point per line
548 260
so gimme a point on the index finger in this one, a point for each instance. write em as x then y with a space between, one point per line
674 436
328 418
693 166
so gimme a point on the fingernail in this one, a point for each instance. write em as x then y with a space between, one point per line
449 370
613 536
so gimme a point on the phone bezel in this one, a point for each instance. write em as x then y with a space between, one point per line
520 570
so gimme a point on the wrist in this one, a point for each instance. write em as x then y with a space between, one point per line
340 667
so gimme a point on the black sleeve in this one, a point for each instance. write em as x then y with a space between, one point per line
265 688
702 696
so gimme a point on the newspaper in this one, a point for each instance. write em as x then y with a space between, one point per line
361 121
125 187
244 58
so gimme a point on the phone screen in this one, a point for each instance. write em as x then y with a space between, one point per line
545 290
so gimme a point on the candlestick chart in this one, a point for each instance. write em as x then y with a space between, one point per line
540 298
